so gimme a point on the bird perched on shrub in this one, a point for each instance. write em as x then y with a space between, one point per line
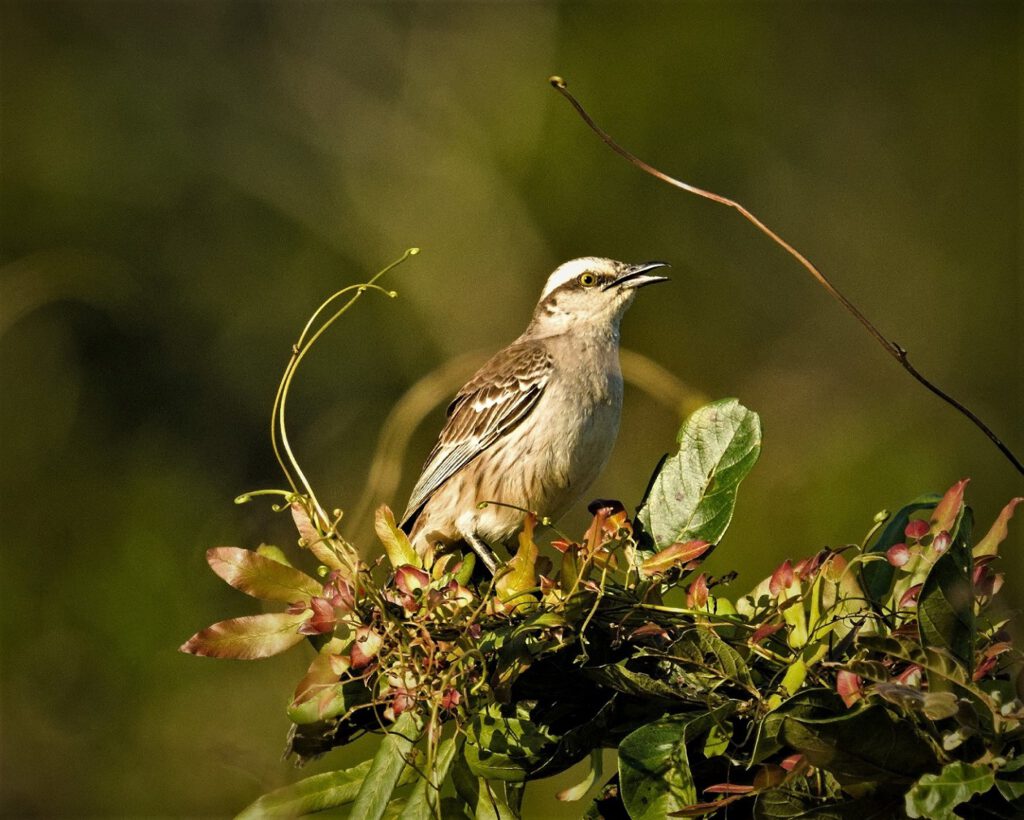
534 426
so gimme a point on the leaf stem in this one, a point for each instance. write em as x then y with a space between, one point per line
897 351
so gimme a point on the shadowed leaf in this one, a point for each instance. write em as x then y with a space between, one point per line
936 795
386 768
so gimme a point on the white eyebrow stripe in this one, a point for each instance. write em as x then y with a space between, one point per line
570 270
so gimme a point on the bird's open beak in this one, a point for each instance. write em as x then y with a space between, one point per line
636 276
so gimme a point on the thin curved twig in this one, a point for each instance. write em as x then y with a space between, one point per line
897 351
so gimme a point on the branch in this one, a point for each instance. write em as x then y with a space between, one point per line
895 350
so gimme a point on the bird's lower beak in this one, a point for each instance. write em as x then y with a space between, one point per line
637 276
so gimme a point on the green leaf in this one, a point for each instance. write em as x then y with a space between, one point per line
945 607
262 577
504 743
809 703
694 493
249 637
863 745
386 769
936 795
594 768
654 768
423 803
877 576
1010 780
321 791
395 541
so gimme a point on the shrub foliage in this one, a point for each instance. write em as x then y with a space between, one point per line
869 680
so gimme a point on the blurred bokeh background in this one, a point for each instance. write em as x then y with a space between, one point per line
183 182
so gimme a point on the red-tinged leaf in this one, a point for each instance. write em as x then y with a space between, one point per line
792 762
916 529
673 556
561 545
450 699
982 669
848 685
322 620
898 555
706 808
311 539
945 513
911 676
782 579
989 545
249 637
411 580
764 631
325 670
261 577
365 647
395 541
728 788
697 592
910 596
649 630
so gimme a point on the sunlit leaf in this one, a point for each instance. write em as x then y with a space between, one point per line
693 494
262 577
386 768
249 637
321 791
935 796
520 575
424 801
673 556
989 545
947 510
395 541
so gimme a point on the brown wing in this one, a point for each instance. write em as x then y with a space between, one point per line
493 402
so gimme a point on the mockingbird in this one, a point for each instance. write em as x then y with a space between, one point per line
535 425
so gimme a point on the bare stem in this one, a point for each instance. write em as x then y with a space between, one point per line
895 350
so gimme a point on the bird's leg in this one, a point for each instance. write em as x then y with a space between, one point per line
484 552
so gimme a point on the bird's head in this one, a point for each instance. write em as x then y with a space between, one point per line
591 292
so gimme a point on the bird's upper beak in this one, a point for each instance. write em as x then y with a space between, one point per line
636 276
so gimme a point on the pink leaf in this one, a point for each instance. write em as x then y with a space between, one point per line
365 647
261 577
898 555
916 529
782 578
764 631
910 596
697 594
322 620
941 542
848 685
945 513
252 636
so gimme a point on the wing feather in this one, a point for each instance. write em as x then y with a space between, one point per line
493 402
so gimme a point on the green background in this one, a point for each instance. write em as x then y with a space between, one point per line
183 182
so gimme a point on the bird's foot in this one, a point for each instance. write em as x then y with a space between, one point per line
484 553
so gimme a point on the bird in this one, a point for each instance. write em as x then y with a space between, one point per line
532 429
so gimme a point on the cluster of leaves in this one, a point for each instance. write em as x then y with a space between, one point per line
866 681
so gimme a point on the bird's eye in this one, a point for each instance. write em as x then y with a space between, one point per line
588 279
